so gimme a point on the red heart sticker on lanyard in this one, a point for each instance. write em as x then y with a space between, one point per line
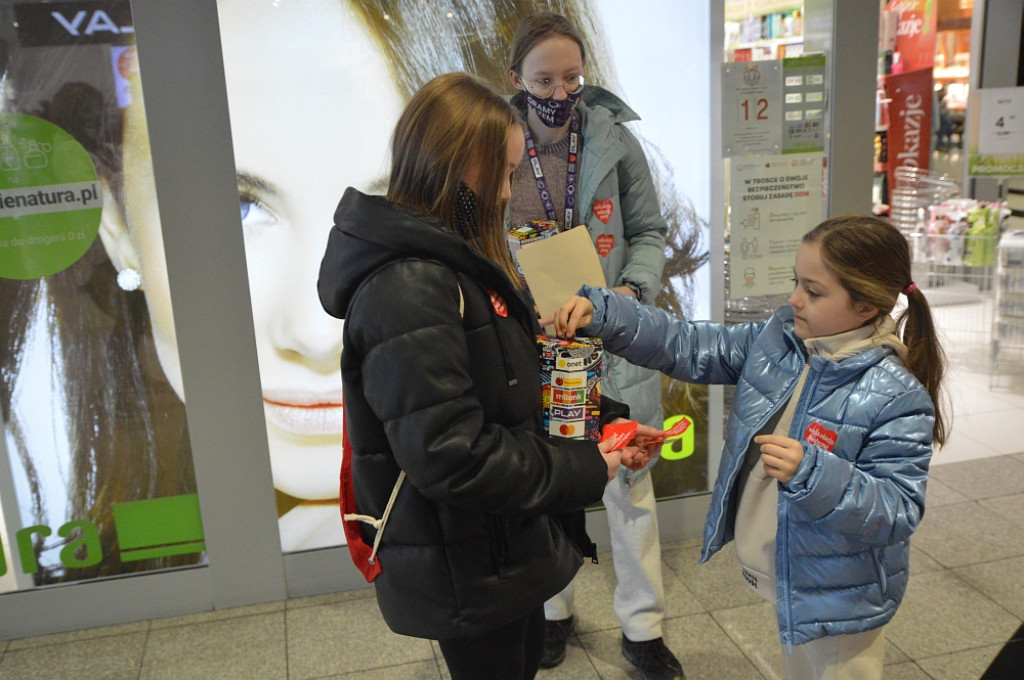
817 434
603 210
605 243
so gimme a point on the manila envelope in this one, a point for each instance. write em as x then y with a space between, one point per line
556 267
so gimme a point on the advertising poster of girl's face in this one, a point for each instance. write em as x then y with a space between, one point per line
92 397
94 427
314 89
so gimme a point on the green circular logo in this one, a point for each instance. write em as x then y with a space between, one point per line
50 199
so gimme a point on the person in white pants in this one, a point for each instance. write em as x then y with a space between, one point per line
639 600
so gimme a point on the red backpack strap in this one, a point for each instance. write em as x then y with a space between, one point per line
362 554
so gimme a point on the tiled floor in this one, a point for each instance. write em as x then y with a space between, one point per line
965 600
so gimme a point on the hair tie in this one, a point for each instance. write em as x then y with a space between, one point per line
910 289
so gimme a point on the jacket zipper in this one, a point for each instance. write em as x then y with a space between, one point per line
592 552
783 583
882 578
499 544
782 531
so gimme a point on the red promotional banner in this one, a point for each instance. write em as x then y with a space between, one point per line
910 120
915 34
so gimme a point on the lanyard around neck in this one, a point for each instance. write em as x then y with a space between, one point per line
575 142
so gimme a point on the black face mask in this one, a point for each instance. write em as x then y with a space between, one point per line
464 217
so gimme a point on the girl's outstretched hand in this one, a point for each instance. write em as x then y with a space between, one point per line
780 456
648 442
577 312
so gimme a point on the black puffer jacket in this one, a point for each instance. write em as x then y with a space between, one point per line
473 541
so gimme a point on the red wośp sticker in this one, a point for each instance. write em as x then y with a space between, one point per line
818 435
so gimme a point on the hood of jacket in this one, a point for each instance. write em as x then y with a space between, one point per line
370 231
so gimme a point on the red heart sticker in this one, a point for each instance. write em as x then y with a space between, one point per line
500 306
603 210
605 243
818 435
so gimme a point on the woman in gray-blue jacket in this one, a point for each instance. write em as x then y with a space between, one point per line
822 479
582 166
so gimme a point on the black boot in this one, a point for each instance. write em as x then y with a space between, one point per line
653 658
555 635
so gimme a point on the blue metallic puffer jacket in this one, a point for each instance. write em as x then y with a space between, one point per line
845 519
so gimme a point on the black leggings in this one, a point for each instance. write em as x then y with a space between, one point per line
510 653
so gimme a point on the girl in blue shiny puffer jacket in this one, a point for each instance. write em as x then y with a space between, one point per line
822 478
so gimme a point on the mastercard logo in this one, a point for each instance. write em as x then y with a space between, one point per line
567 430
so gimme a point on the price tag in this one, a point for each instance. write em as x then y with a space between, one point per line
1001 121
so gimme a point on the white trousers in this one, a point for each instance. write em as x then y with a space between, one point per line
859 656
639 600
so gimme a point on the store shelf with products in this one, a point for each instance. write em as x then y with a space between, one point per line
767 48
757 30
1008 322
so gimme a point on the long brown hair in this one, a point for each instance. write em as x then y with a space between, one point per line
423 39
453 123
871 258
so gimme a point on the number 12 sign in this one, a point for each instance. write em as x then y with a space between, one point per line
751 107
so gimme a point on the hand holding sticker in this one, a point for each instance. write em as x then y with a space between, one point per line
639 443
620 433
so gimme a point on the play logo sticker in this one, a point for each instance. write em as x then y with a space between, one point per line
50 198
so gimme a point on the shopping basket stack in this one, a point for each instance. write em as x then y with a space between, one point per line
915 192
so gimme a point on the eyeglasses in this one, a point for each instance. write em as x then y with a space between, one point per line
545 87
